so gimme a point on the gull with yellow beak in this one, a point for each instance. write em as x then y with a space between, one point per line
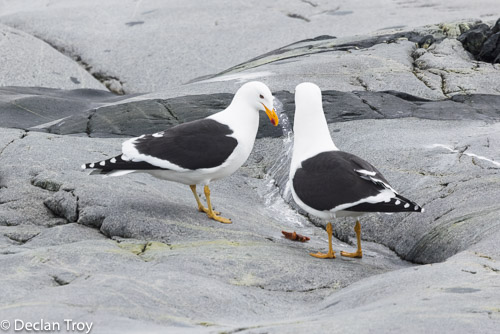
200 151
329 183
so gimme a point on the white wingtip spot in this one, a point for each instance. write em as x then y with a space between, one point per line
112 160
91 165
416 207
407 206
398 202
83 167
423 210
102 163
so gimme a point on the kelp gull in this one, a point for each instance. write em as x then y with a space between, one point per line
329 183
197 152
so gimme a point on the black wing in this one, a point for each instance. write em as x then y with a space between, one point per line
117 163
335 178
199 144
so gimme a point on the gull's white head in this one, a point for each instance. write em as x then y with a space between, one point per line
308 97
311 133
259 97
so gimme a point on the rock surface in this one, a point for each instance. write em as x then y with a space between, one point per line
141 245
29 61
149 46
96 114
133 255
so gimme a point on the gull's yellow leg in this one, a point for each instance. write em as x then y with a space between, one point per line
211 213
201 208
358 253
331 253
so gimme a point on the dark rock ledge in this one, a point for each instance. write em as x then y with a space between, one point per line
97 113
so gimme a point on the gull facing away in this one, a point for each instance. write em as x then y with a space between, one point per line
200 151
330 183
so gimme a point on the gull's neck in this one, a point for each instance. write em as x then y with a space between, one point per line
311 135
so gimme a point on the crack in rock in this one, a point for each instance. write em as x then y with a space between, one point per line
168 108
20 238
112 83
310 3
298 16
373 107
490 268
418 69
88 130
46 183
331 286
134 23
362 83
92 216
421 76
444 214
64 278
5 147
21 136
444 89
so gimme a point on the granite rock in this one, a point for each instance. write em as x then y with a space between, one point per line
133 225
29 61
133 255
151 46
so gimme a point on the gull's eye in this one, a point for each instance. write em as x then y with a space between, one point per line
261 96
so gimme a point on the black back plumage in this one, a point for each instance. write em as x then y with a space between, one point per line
199 144
332 178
